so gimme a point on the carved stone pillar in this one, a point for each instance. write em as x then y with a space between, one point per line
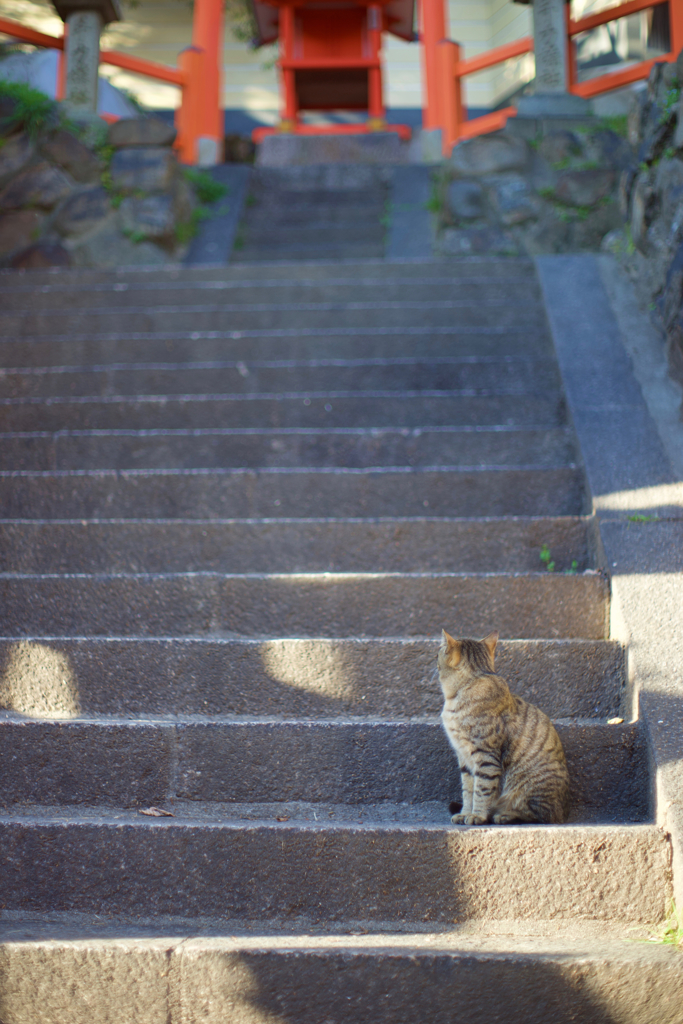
551 98
85 20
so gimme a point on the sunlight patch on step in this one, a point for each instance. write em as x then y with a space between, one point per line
310 665
660 496
39 681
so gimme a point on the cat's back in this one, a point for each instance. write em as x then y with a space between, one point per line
534 762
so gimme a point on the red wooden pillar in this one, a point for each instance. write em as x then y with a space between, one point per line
376 113
676 26
452 111
433 29
290 111
189 115
207 35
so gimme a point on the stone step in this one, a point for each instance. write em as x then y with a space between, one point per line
56 279
214 315
542 605
272 493
72 972
119 348
379 874
260 761
328 250
57 678
257 288
353 225
317 409
235 448
286 376
303 545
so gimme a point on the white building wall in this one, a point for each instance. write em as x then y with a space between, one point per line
159 29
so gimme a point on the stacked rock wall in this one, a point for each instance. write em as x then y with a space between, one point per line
63 203
651 200
556 192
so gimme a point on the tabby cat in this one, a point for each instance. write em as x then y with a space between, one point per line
512 764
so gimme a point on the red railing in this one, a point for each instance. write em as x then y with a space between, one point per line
451 69
199 113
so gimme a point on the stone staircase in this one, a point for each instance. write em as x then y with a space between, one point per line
323 211
238 505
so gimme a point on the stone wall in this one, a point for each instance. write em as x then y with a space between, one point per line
65 203
651 199
551 193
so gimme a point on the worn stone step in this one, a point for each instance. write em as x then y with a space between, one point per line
313 409
296 545
56 279
312 679
326 230
332 342
307 605
325 250
351 448
232 316
75 972
287 376
380 874
210 494
262 286
275 761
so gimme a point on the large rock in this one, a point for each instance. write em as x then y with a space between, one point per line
42 186
9 121
514 200
41 256
63 148
606 147
150 217
558 147
15 154
466 200
82 212
141 131
110 248
143 168
669 186
588 233
18 230
478 241
490 154
641 204
584 188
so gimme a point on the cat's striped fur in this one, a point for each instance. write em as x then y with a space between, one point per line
511 759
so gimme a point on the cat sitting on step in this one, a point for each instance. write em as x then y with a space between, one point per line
512 765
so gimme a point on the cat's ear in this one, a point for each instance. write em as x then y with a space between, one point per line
491 640
453 649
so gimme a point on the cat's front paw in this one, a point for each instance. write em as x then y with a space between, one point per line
503 819
468 819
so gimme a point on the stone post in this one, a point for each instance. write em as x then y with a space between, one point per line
551 98
85 20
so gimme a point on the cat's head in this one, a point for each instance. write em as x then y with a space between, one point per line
459 660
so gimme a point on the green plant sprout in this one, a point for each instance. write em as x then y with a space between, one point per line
207 188
638 518
546 558
671 933
33 109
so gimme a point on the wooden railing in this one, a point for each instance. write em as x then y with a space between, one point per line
450 114
194 115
